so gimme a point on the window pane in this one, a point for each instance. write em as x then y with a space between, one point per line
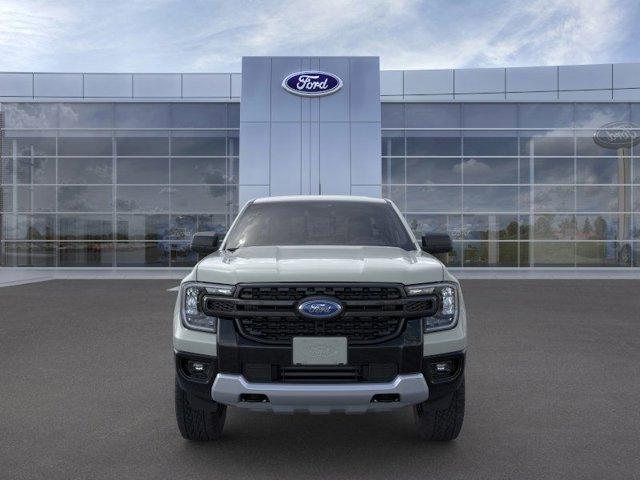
142 146
142 115
233 115
552 254
636 170
434 199
182 256
433 143
490 227
490 199
6 170
137 254
142 170
545 115
392 143
598 114
85 227
434 170
6 199
90 146
85 170
143 199
81 254
213 145
396 194
490 254
85 199
142 227
553 170
603 170
546 144
200 199
36 170
392 115
233 143
37 199
554 227
421 224
603 227
585 145
30 115
554 199
393 170
199 115
490 144
490 170
93 115
37 254
603 254
35 227
432 115
33 146
490 115
199 170
603 199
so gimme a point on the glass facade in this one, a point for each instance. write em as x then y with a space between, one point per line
516 185
114 184
126 184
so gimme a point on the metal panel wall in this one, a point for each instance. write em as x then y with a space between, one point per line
294 145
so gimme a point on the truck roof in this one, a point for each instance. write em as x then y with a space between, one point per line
319 198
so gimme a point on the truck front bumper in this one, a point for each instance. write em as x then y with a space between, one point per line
407 389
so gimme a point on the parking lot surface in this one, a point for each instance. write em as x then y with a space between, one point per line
553 382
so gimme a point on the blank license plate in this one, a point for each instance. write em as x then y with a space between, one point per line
320 350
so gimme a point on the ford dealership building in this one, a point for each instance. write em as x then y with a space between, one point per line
531 167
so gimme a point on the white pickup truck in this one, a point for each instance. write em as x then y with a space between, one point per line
319 304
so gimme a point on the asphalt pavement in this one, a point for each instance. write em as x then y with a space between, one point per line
552 386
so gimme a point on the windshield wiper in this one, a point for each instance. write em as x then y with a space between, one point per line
232 249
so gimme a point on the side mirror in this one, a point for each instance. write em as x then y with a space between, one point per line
205 243
435 243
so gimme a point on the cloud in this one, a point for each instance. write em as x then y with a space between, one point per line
167 35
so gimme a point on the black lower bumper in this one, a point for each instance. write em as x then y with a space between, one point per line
264 363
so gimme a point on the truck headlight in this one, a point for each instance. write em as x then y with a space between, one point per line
447 315
191 305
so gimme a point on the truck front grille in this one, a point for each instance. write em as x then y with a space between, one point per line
372 313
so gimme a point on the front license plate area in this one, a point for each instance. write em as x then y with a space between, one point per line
320 350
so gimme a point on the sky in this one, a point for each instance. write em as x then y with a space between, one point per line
212 36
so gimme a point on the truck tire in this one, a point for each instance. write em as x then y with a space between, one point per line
197 420
441 425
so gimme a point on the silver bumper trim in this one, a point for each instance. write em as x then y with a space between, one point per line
320 398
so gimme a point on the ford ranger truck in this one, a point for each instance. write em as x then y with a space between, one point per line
319 304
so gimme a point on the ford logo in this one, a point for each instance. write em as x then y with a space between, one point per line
617 135
312 84
320 308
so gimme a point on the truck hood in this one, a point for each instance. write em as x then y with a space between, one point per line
319 264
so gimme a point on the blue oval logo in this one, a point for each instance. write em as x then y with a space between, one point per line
320 308
312 83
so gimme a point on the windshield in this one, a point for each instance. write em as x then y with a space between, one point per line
319 223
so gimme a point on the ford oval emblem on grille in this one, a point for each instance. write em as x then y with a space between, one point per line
320 308
312 84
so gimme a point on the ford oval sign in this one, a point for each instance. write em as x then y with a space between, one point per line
617 135
320 308
312 84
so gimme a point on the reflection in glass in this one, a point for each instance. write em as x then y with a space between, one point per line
85 227
142 227
85 199
490 254
396 194
554 227
36 254
199 115
490 227
392 143
81 254
84 115
93 146
142 170
85 170
35 227
546 144
204 146
36 198
30 115
393 170
32 146
602 226
603 254
142 146
603 170
200 199
142 115
143 254
490 115
392 115
434 199
603 199
434 170
199 170
553 170
552 254
490 199
433 143
554 199
545 115
490 170
421 224
486 144
143 199
432 115
36 170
